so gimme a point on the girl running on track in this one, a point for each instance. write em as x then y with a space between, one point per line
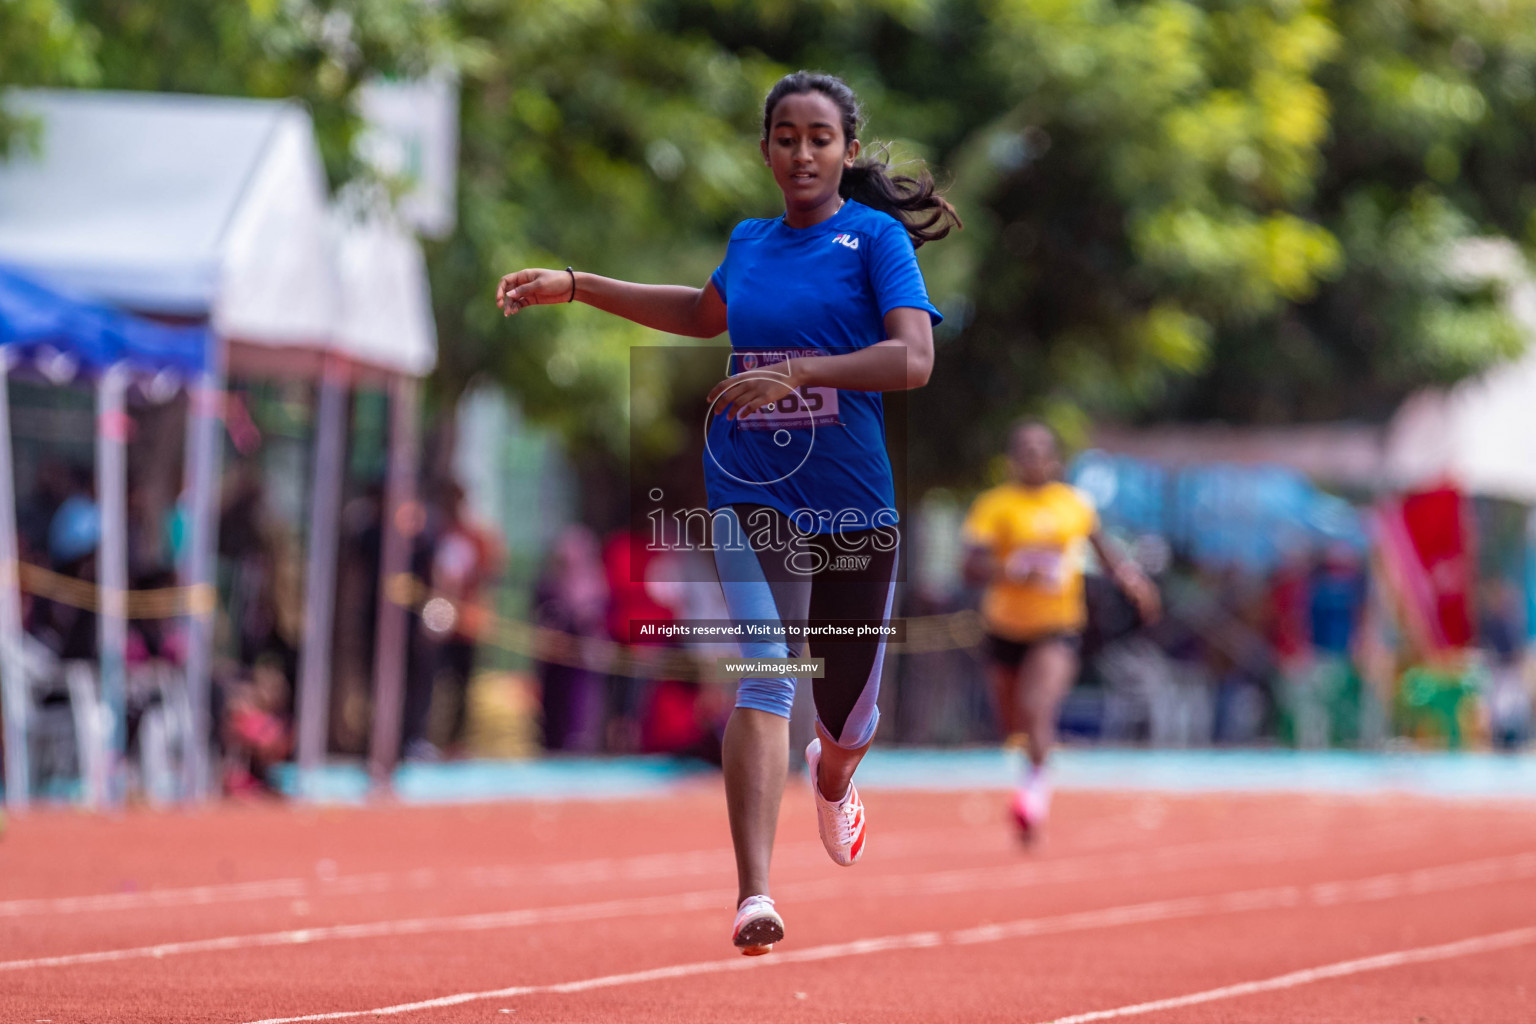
1027 542
826 308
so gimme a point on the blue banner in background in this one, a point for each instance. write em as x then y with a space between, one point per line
1130 494
1221 514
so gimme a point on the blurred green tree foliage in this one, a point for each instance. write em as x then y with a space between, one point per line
41 43
314 50
604 136
1249 210
1253 209
1240 208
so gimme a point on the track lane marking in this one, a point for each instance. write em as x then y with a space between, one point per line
1343 968
1439 879
644 867
918 884
639 868
191 896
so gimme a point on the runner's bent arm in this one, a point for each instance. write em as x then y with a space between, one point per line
900 363
676 309
1129 578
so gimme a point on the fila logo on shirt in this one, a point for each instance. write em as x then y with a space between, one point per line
846 240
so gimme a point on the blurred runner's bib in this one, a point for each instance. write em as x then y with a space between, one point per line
798 410
1040 536
1045 567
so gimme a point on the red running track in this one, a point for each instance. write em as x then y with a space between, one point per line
1156 908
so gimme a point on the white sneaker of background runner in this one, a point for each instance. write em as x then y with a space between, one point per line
841 824
1032 800
1038 785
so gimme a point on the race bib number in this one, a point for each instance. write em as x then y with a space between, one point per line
797 410
1044 567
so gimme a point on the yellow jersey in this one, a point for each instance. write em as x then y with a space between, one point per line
1040 536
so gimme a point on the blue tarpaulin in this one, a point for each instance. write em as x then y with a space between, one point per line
1219 514
34 318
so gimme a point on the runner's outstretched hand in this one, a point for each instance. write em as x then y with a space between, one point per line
533 287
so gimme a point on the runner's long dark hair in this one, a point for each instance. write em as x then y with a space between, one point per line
915 202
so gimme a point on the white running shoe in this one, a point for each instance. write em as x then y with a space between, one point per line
841 824
1031 805
758 926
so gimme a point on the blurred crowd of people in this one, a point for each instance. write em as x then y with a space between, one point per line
454 558
1295 656
1303 655
59 529
458 560
595 589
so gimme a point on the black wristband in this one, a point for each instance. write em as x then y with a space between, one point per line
568 270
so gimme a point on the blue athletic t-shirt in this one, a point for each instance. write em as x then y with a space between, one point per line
823 289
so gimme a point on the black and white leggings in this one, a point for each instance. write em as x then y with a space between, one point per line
817 582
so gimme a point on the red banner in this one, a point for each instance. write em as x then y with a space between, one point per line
1427 544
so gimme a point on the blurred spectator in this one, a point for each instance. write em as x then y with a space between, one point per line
1509 698
1111 615
156 638
627 563
74 531
1312 622
680 719
1338 595
462 560
356 618
1129 664
420 652
687 717
256 733
265 603
572 597
55 481
1241 658
1288 628
1181 701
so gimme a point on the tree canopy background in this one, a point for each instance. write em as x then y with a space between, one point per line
1241 209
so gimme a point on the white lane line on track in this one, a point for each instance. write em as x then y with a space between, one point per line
199 895
644 867
1342 969
925 883
1142 913
639 868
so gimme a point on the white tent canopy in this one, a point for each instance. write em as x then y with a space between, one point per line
210 206
386 307
1481 434
217 208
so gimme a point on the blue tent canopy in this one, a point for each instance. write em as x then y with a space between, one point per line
33 317
1219 514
